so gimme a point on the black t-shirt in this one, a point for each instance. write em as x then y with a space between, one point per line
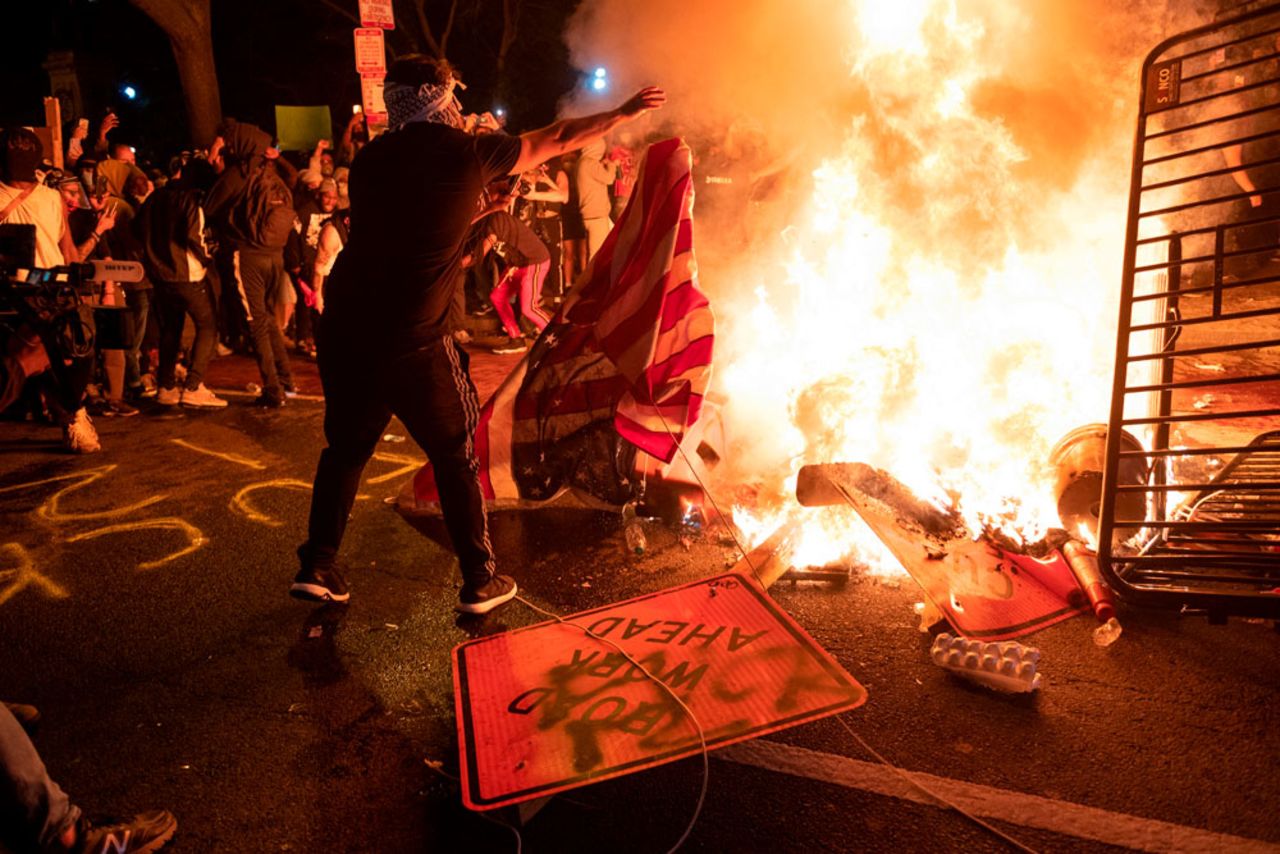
414 192
517 243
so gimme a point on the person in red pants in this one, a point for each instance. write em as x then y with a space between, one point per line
527 261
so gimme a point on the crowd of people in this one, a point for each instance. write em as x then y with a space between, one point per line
237 242
248 247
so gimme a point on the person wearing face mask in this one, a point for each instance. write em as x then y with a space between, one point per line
385 344
300 259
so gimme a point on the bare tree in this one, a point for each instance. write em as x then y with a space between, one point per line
187 23
511 10
437 45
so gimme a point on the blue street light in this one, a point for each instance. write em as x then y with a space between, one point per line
130 92
599 79
600 72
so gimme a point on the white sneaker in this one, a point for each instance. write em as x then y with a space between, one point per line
202 398
169 396
79 437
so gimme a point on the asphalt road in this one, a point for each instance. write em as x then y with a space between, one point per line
196 684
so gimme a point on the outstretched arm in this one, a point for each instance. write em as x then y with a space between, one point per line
539 146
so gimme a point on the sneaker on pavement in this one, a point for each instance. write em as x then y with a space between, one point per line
222 349
201 398
511 345
119 408
498 590
290 390
268 401
145 832
319 585
79 437
169 396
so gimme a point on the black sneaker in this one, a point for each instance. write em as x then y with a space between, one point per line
319 585
148 831
510 345
498 590
269 401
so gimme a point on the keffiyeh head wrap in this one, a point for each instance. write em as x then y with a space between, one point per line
430 102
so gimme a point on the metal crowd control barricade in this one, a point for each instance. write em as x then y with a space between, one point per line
1198 348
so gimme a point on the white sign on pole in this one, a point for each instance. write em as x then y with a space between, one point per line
377 13
371 53
375 108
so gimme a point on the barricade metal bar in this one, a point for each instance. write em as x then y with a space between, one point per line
1187 179
1217 146
1207 123
1211 484
1198 259
1206 383
1195 321
1200 416
1226 286
1202 221
1205 351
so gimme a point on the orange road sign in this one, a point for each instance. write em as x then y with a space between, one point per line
548 708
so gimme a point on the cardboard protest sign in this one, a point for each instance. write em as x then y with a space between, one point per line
377 13
549 708
371 53
299 128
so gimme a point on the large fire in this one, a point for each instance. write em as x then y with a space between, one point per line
942 304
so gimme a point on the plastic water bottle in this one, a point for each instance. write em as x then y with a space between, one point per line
633 529
1106 634
691 525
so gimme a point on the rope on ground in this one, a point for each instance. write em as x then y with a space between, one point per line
867 747
702 737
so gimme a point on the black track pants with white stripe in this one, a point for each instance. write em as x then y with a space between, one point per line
431 392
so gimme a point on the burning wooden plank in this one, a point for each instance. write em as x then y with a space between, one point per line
986 591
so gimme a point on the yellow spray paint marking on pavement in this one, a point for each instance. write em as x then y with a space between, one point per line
24 575
51 511
240 501
195 536
407 464
231 458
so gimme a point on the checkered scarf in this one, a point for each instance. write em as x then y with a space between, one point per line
430 102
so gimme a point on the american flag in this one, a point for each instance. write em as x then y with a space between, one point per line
621 368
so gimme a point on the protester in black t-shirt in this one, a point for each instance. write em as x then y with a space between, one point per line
527 261
385 347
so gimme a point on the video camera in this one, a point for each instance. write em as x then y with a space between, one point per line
49 300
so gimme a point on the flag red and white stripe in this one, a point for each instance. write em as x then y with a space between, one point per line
631 347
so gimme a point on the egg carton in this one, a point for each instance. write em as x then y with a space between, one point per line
1005 666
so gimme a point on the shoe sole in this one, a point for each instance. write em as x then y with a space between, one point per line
160 841
316 593
489 604
222 405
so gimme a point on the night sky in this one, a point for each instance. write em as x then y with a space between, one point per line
268 52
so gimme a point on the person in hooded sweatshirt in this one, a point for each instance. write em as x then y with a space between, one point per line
170 228
251 211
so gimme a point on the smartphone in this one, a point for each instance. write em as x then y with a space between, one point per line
83 124
356 109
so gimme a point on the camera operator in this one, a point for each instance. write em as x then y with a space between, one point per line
25 201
